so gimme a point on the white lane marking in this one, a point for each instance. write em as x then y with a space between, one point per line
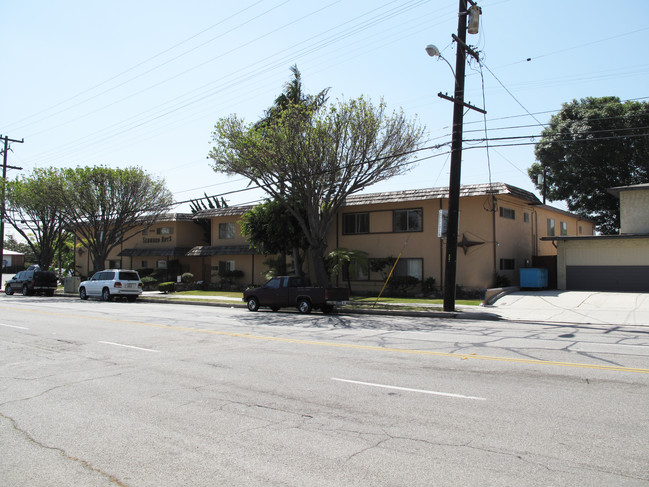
12 326
448 394
130 346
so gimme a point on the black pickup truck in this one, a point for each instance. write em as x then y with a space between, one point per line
32 281
289 291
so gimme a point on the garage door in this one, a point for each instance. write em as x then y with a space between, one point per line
607 278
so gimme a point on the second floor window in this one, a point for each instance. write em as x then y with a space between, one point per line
356 223
564 228
408 220
164 231
226 230
507 213
550 227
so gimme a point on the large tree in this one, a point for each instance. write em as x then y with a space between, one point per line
589 146
311 158
104 204
271 229
36 213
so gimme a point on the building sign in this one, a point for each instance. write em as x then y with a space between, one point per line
153 240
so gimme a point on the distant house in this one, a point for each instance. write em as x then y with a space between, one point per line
11 258
610 262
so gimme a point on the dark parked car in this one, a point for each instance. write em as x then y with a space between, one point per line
289 291
32 281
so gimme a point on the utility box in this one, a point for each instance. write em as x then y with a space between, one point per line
534 277
71 284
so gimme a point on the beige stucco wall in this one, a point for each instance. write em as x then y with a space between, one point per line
184 234
634 213
600 252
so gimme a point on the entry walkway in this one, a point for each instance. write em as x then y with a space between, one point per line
606 308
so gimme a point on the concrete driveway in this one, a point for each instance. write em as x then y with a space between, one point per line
592 307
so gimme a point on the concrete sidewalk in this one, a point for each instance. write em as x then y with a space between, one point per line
605 308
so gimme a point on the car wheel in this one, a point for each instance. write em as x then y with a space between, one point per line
105 295
252 304
304 306
82 293
8 291
25 291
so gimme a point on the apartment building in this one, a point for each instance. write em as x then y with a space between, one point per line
500 231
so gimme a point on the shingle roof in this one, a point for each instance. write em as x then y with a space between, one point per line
230 211
163 252
440 193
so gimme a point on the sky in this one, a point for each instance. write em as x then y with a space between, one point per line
142 83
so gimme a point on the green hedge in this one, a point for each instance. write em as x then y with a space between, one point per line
166 287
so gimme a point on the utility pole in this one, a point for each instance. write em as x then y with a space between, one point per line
2 205
456 156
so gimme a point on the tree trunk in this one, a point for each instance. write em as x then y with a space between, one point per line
318 264
297 262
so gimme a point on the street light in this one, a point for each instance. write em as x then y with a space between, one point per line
432 51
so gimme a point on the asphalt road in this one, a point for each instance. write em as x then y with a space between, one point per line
144 394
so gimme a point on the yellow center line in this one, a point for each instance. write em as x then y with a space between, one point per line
350 346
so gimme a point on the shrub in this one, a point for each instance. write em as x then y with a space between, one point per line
187 278
400 285
429 285
149 282
167 287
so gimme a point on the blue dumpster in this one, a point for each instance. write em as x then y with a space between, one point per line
533 277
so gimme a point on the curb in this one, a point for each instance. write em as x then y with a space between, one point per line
425 312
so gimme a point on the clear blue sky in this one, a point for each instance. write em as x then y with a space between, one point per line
142 82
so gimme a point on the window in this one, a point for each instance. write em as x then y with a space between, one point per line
356 271
226 266
408 220
354 223
114 264
507 213
145 264
526 217
550 227
581 230
507 264
162 264
563 228
410 267
164 231
226 230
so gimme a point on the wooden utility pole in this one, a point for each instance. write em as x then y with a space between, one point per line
2 204
456 156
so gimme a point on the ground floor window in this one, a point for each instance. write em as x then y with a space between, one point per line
507 264
410 267
225 266
356 271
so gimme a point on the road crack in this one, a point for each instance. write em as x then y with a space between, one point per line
62 452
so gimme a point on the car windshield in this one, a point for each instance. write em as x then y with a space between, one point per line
128 276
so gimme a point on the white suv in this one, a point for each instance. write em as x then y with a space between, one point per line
111 283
